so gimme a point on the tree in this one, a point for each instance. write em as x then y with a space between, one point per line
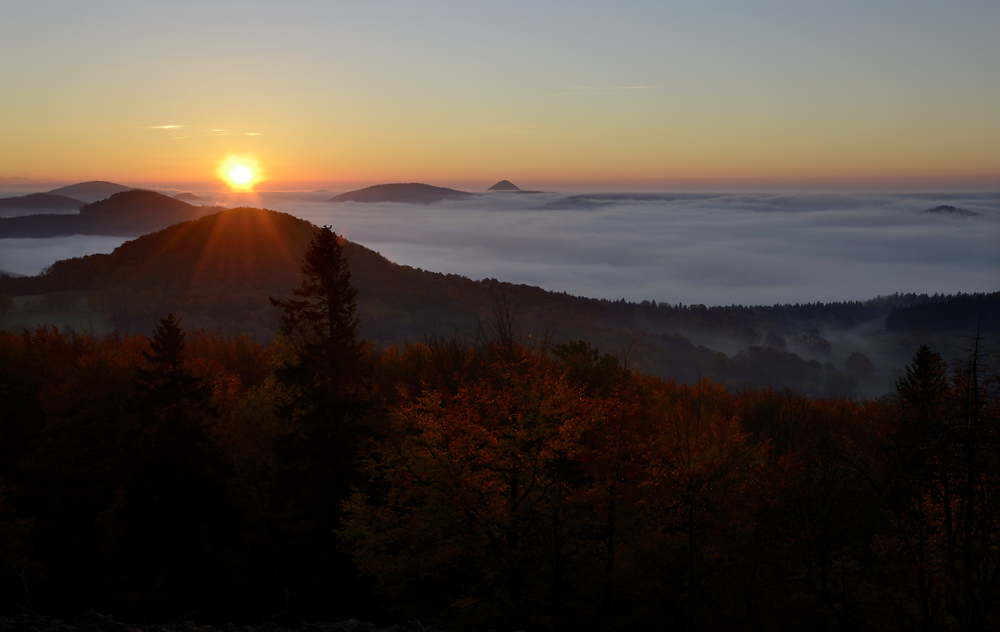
169 517
320 369
946 461
474 518
322 391
321 325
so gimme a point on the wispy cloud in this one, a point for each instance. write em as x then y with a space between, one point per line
227 132
165 127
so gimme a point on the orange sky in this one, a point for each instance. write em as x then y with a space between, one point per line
634 94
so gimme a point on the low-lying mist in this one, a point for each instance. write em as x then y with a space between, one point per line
714 249
30 256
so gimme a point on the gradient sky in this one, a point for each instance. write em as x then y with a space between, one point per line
542 92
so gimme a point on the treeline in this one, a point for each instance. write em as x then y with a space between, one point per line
484 482
216 273
969 312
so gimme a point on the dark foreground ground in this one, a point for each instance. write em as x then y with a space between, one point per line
91 621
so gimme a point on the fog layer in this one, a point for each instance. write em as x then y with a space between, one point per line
711 249
679 248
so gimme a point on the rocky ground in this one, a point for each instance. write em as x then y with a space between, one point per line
91 621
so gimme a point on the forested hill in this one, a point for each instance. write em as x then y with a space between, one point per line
218 271
408 193
943 313
92 191
127 213
38 203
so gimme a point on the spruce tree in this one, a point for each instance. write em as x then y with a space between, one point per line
324 394
321 326
171 516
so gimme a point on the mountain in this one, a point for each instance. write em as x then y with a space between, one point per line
411 193
188 197
128 213
38 203
91 191
217 272
504 185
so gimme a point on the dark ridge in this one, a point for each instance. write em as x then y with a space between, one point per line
39 203
504 185
599 200
128 214
962 312
218 271
91 191
410 193
947 209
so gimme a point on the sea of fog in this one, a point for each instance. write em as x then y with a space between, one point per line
715 249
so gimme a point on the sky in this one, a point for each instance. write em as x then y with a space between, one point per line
581 95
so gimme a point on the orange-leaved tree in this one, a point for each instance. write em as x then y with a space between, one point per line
472 517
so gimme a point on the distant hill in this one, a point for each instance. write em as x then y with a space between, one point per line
411 193
948 209
91 191
38 203
128 213
504 185
600 200
188 197
216 272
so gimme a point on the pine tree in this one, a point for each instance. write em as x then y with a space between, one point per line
171 514
321 326
168 393
323 380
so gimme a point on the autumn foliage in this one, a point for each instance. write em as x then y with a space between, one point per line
486 483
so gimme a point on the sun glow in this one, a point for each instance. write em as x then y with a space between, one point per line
240 173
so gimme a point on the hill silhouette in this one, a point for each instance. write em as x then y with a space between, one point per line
504 185
35 203
127 214
217 272
92 191
410 193
948 209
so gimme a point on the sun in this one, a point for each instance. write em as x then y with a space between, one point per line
240 173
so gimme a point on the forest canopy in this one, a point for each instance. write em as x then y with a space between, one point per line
487 482
498 479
